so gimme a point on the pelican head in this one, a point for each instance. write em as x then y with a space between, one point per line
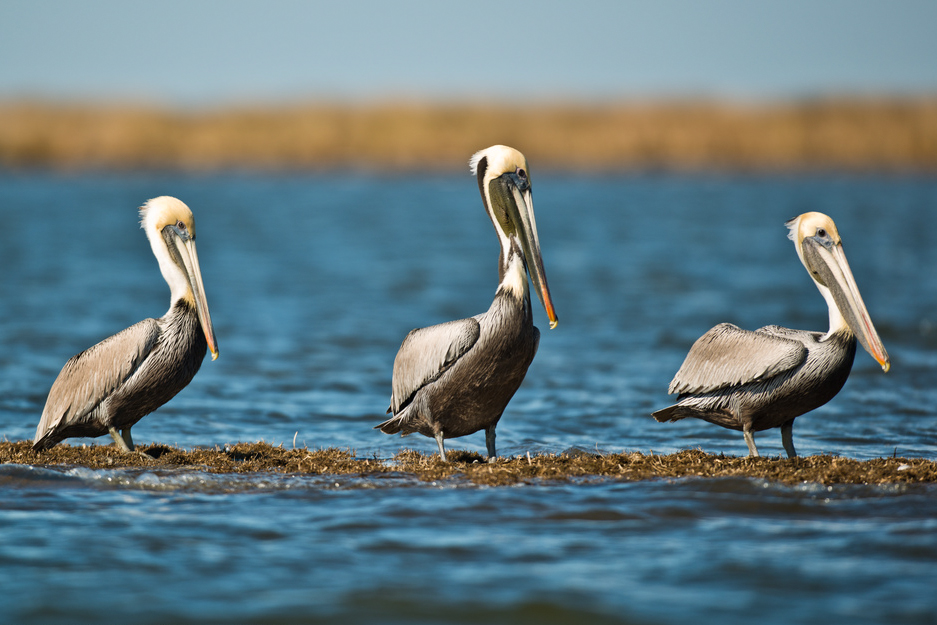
820 249
504 183
170 228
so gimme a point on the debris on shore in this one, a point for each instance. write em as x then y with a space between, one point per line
532 468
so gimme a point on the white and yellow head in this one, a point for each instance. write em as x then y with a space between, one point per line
504 183
820 249
170 228
811 224
164 211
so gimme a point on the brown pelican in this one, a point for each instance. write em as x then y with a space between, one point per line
753 381
456 378
114 384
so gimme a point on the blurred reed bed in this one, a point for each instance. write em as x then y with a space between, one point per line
851 134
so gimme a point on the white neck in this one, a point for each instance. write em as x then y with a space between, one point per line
837 322
173 275
515 276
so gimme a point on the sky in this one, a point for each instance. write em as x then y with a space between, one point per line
211 52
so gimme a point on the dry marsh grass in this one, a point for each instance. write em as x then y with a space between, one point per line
888 134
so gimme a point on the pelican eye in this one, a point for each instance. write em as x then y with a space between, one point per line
521 173
180 225
821 233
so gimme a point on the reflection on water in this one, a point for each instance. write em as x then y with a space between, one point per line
314 281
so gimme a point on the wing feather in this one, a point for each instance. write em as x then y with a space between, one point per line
729 356
90 377
426 353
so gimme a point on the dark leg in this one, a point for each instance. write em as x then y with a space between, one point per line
750 441
125 434
442 450
121 441
787 438
490 443
124 442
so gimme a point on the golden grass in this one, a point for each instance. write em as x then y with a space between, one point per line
262 457
849 134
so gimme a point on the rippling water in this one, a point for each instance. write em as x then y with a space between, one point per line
313 281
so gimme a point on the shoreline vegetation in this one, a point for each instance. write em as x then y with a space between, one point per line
574 464
849 134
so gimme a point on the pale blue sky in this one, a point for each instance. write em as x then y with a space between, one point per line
208 52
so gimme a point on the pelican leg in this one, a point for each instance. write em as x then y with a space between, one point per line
122 441
490 443
750 441
442 450
787 438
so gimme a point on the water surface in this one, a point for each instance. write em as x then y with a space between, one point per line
313 281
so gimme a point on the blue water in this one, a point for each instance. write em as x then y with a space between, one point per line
313 281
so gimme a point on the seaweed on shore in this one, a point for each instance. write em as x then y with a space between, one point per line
630 466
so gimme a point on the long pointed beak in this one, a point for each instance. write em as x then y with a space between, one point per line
194 275
523 202
829 267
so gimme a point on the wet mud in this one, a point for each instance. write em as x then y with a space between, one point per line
573 464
